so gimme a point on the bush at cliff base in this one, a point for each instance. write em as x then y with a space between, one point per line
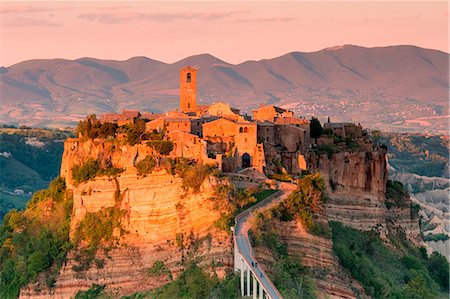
34 242
398 271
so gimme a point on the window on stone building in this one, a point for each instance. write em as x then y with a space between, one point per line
245 130
189 105
241 130
188 78
267 139
245 139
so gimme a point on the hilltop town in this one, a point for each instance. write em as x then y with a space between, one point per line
273 141
252 206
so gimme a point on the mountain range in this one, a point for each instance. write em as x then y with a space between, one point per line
397 88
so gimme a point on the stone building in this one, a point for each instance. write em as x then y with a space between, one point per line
124 118
224 110
236 140
171 122
293 120
345 130
128 117
188 90
270 113
197 123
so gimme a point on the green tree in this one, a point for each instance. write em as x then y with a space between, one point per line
315 128
146 165
439 270
135 132
86 171
107 130
376 135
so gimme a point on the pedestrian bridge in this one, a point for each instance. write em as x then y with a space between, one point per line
254 282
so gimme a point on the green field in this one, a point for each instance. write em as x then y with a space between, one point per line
9 202
29 160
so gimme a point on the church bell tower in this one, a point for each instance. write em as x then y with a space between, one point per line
188 89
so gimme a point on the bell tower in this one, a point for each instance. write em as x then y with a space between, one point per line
188 89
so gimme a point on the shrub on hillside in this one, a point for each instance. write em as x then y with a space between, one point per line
305 203
55 190
92 128
162 147
146 165
194 176
31 244
396 196
90 169
86 171
385 272
96 291
135 132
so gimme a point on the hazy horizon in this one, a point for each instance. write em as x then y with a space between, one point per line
232 31
199 54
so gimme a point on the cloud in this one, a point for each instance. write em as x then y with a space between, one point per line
7 9
266 20
125 17
24 22
395 19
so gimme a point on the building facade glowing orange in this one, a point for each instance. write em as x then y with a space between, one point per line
188 89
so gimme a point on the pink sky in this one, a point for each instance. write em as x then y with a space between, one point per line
232 31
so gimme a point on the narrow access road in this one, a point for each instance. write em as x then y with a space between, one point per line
243 242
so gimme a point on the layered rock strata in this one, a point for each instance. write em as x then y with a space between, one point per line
163 222
317 254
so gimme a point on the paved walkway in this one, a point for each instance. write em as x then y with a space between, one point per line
243 242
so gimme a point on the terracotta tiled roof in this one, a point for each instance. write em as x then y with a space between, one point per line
292 120
128 114
150 115
109 117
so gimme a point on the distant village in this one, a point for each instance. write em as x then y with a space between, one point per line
219 135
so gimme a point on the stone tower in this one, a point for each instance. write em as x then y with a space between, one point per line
188 89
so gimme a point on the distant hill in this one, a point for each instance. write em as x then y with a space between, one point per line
401 88
29 160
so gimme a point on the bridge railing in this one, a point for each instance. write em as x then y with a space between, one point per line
241 257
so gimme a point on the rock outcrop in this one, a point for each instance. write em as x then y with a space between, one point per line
432 195
163 222
317 254
356 184
356 187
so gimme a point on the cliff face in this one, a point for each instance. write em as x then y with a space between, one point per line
356 185
316 254
162 223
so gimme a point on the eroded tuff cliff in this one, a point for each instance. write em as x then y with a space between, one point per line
356 187
317 255
162 221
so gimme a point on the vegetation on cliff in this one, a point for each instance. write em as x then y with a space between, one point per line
91 168
35 240
286 272
92 128
304 205
98 230
230 200
396 195
193 282
396 271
